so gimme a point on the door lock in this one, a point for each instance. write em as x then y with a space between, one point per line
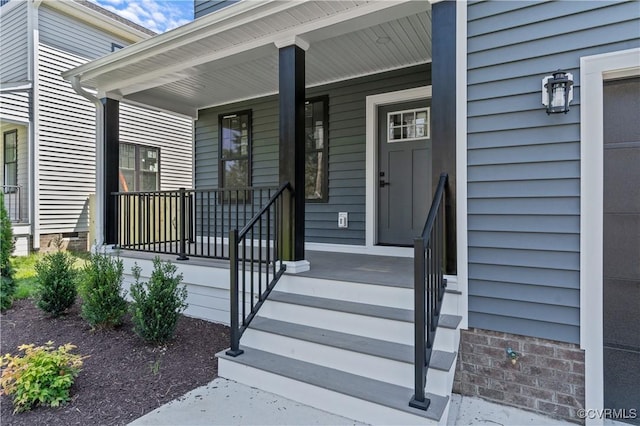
383 183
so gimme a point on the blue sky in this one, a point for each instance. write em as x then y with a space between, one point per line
157 15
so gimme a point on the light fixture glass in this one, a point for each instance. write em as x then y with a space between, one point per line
557 92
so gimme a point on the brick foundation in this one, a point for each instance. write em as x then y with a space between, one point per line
76 243
548 376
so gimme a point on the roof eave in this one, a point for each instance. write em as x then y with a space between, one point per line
230 16
97 19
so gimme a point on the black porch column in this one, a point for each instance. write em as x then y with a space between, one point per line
292 145
110 166
443 113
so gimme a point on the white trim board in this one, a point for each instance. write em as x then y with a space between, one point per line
594 70
373 102
462 250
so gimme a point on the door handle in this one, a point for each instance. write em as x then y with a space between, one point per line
383 183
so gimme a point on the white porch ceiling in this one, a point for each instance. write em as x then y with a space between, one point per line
218 65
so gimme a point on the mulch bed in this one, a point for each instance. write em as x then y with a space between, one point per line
123 378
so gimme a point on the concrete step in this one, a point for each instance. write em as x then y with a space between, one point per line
350 395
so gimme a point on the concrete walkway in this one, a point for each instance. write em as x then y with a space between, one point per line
223 402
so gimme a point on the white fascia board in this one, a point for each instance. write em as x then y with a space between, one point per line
97 19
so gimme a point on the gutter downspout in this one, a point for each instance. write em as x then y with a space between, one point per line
98 230
33 75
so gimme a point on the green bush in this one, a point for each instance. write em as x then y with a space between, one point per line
157 304
56 288
42 376
103 302
7 244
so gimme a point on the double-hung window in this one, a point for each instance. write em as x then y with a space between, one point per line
235 150
316 136
10 155
234 165
139 168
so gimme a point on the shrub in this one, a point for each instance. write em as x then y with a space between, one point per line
56 288
7 244
157 304
43 376
103 303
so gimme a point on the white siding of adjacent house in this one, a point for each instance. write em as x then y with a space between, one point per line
67 126
66 146
14 48
14 106
71 35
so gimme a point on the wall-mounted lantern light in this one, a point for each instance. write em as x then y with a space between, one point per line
557 92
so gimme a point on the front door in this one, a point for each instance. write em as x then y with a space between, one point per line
404 171
621 260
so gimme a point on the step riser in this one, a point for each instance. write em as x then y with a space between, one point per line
383 369
376 328
334 402
450 304
372 294
440 382
447 339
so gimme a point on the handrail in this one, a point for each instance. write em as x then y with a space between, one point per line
280 190
429 285
255 272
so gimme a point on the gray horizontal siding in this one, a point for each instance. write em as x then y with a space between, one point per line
347 147
14 48
71 35
523 166
204 7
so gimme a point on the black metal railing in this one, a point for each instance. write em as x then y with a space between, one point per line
256 262
12 202
193 222
429 286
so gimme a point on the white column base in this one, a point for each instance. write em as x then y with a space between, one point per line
297 266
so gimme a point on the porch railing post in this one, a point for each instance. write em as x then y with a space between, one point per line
182 223
233 297
419 399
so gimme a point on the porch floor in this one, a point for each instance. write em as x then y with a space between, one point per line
360 268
